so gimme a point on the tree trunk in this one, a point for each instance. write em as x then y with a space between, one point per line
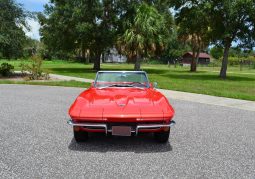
103 57
193 65
97 61
224 66
87 56
138 63
83 53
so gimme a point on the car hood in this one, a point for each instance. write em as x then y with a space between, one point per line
116 103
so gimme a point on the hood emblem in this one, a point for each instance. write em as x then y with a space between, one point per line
121 105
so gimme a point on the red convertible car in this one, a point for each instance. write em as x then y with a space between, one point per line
121 103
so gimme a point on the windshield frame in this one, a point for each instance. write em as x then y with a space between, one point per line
142 72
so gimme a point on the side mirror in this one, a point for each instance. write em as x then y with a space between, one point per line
92 84
155 84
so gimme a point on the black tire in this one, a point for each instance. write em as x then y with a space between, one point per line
162 137
80 136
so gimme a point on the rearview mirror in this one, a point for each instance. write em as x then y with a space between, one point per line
155 84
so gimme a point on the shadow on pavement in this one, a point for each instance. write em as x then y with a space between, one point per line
139 144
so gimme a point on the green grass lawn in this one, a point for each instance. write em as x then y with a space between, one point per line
239 84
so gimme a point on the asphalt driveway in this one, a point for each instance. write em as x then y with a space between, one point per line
35 142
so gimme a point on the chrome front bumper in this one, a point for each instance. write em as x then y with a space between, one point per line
138 127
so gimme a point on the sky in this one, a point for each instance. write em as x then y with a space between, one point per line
33 6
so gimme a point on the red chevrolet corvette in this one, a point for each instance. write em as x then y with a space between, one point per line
121 103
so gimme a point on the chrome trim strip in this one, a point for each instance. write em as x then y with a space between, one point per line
70 122
172 123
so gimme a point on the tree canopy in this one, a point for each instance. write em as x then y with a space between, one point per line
12 22
216 52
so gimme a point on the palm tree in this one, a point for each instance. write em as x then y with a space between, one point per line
144 36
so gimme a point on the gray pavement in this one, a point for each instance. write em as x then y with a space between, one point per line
35 142
69 78
212 100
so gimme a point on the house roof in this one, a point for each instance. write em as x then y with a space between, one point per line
201 55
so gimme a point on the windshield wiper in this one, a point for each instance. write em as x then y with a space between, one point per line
117 85
139 83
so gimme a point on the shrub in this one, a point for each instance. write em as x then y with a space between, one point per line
34 69
234 61
6 69
215 63
154 62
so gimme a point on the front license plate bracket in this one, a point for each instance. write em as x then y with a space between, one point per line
121 130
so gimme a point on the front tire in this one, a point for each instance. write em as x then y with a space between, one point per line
80 136
162 137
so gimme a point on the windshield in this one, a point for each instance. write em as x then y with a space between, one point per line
122 79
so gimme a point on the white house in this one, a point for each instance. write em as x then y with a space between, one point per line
112 56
